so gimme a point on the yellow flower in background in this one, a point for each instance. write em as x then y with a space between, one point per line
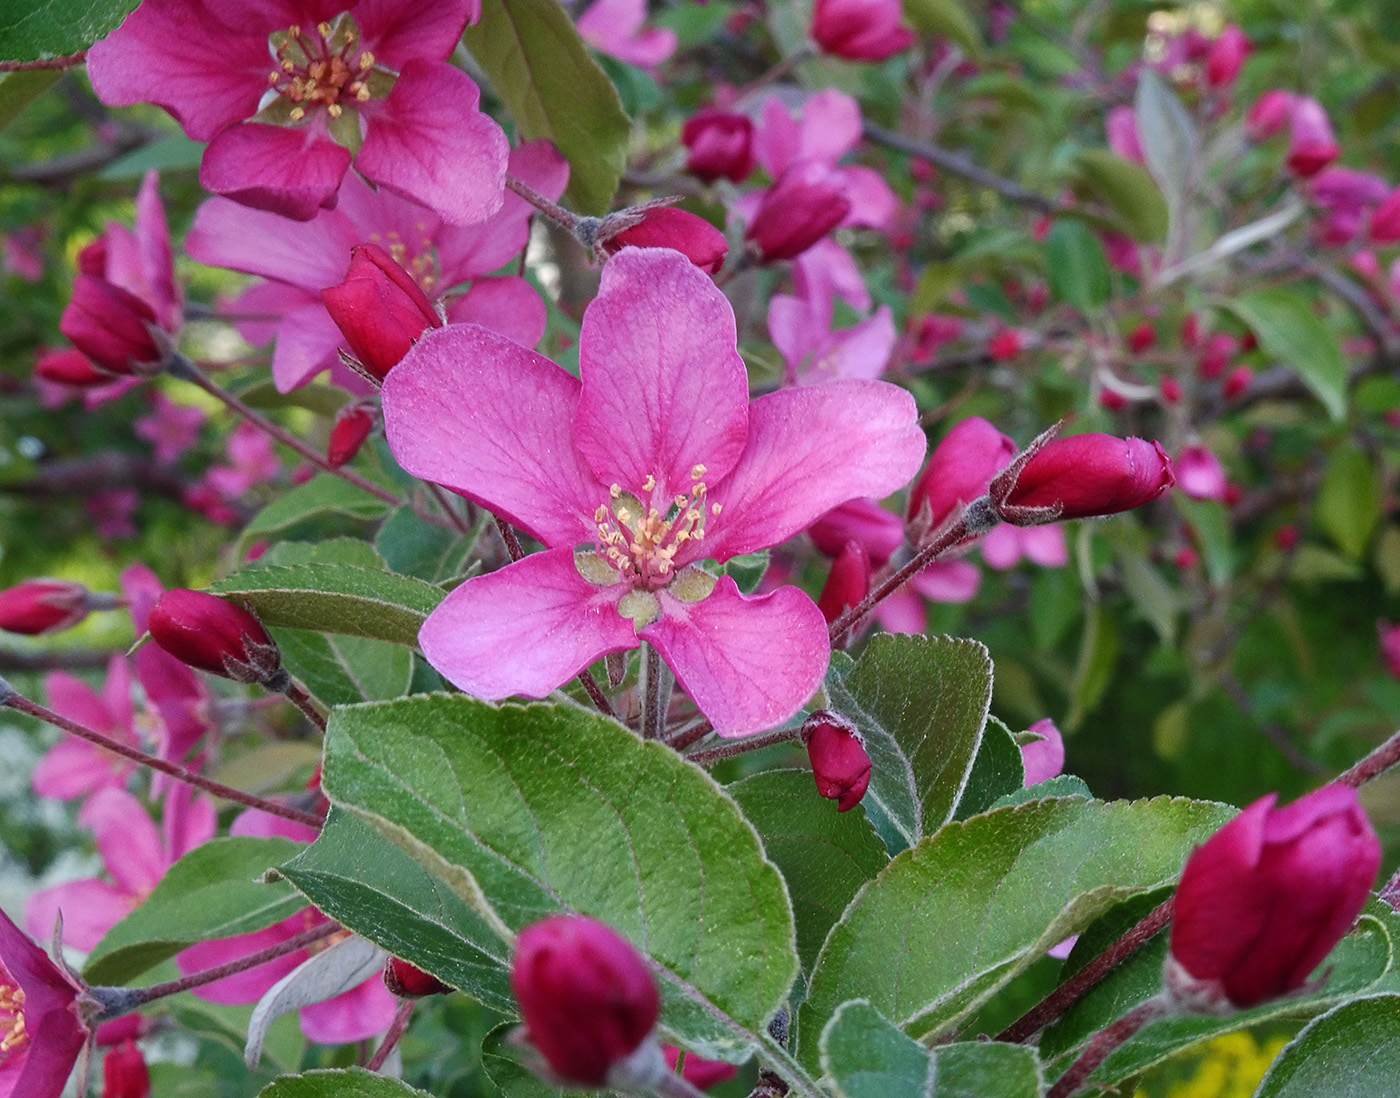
1230 1067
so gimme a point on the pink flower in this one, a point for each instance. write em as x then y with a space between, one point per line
617 28
1226 57
113 513
814 352
1004 547
720 144
808 201
414 118
40 1030
1043 758
171 428
847 583
302 259
1123 137
661 420
21 253
1199 474
252 461
1270 115
1311 146
861 30
961 468
380 310
863 520
73 767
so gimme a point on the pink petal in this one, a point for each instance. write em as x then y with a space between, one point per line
429 142
190 821
526 629
825 272
357 1015
1045 545
90 908
127 839
748 662
248 986
831 126
861 352
307 340
289 172
873 204
116 696
507 445
808 450
398 31
157 256
664 388
793 329
902 612
72 698
142 588
308 254
74 768
949 581
264 825
1001 548
777 141
507 305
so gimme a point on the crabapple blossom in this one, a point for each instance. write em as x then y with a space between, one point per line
839 760
618 28
41 1031
861 30
720 144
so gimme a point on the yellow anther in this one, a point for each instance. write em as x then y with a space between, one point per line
715 508
650 483
600 514
335 110
288 66
697 472
294 30
615 490
366 61
324 29
362 93
298 113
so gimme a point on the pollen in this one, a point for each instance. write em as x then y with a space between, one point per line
640 541
327 69
12 1031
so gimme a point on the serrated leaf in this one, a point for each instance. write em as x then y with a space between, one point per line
968 909
57 28
1078 267
1128 190
921 703
19 89
533 55
867 1057
285 554
340 1083
1349 501
340 670
367 882
214 891
998 771
1293 335
824 855
529 810
319 497
1063 785
333 598
978 1069
1353 1050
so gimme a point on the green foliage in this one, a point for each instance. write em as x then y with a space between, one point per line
340 1083
19 89
57 28
1078 267
1352 1050
1293 335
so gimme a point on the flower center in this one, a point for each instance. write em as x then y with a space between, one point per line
323 68
12 1031
640 541
418 260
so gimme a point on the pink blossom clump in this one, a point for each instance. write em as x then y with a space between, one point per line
345 76
41 1033
631 477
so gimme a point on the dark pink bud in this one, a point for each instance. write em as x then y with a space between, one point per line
1226 57
1390 646
411 982
861 30
70 367
124 1073
959 471
848 583
1008 345
720 144
1091 475
839 761
667 227
1186 559
1043 758
111 326
1123 139
1270 115
1286 537
1112 401
379 308
43 606
1266 898
1171 391
1219 350
92 260
699 1072
1238 382
586 996
807 202
1311 146
1385 222
352 426
1142 338
214 635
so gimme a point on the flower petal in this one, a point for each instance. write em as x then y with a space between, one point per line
127 839
471 410
810 449
664 388
290 172
89 907
526 629
355 1015
397 31
429 142
748 662
73 768
508 305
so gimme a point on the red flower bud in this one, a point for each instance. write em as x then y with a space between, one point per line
848 583
839 761
1385 222
411 982
1171 391
807 202
111 326
124 1073
1112 401
959 471
379 308
70 367
43 606
352 427
699 1072
1268 897
1270 115
585 994
1007 345
720 144
1142 338
861 30
1226 57
667 227
1238 382
214 635
1311 146
1090 475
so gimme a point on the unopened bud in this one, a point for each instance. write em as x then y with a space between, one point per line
1080 477
667 227
124 1073
411 982
1226 58
840 763
70 367
380 309
352 427
1270 115
112 326
720 144
848 582
1311 145
1238 382
861 30
807 202
214 635
43 606
699 1072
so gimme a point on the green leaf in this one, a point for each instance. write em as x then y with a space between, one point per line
921 703
1353 1050
1349 501
413 547
1063 785
285 554
333 598
968 909
867 1057
340 1083
502 1066
172 153
1211 522
997 771
1093 674
946 18
340 670
38 29
369 883
1292 333
1128 190
529 810
214 891
1170 144
19 89
824 855
1078 267
978 1069
319 497
533 55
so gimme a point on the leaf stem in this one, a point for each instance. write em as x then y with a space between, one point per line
302 700
70 61
1105 1041
396 1031
742 747
1373 765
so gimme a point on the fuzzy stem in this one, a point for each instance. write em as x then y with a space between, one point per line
1104 1042
513 546
552 210
1373 765
71 61
396 1031
742 747
656 693
690 735
10 697
444 501
302 700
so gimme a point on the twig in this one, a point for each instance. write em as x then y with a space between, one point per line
302 700
1373 765
742 747
396 1031
71 61
1104 1042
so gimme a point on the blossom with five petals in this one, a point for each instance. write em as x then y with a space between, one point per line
653 462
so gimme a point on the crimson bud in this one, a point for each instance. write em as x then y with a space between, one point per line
807 202
861 30
588 1001
111 326
43 606
839 760
720 144
124 1073
667 227
1311 146
1238 381
352 427
379 308
1083 476
70 367
848 582
1385 222
214 635
1266 898
1226 57
411 982
1270 115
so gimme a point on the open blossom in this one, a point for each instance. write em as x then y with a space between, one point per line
352 75
618 28
41 1032
300 259
816 352
654 462
73 767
